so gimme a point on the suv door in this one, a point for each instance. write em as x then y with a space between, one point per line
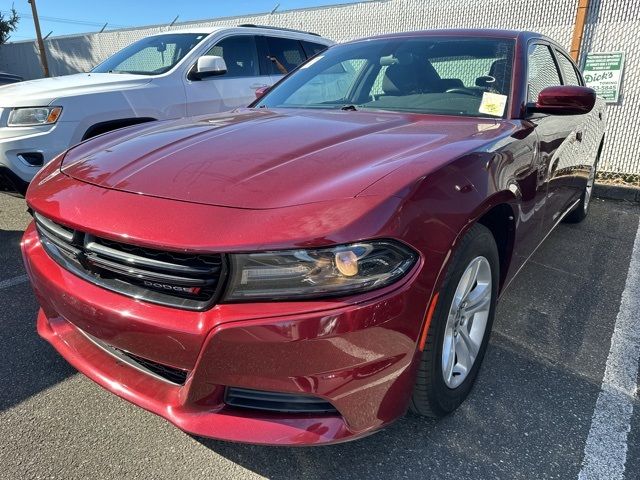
554 132
284 55
234 89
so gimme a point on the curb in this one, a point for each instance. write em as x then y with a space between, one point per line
617 192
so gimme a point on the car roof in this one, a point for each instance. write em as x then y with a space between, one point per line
253 29
462 32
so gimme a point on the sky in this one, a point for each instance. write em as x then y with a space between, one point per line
65 17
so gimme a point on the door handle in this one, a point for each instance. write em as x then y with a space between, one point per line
255 86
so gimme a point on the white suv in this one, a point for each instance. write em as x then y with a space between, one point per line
170 75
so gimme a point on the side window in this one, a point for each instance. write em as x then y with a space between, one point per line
285 55
543 72
311 49
240 55
569 74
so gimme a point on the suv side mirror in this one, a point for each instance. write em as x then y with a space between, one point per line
209 66
564 100
261 92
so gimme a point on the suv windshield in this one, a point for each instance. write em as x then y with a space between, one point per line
437 75
151 55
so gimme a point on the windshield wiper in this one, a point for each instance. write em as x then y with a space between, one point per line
350 108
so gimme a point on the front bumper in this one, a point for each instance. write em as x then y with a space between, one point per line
48 140
359 356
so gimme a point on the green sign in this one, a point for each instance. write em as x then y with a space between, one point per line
603 73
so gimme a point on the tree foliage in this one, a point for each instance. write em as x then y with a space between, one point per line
8 23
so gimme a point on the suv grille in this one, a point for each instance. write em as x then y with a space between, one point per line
183 280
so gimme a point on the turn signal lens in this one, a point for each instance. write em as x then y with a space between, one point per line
315 273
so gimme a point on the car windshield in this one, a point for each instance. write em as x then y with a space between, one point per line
151 55
436 75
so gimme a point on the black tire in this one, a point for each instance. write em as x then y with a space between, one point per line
431 396
580 212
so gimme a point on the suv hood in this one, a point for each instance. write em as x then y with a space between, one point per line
271 158
45 90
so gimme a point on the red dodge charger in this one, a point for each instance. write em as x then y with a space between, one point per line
305 270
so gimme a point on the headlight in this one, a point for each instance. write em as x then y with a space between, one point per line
322 272
25 117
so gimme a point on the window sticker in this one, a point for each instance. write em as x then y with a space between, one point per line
312 61
493 104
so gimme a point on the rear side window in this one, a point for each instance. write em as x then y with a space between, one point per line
285 55
240 55
569 74
311 49
543 72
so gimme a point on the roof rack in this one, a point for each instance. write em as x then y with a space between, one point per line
251 25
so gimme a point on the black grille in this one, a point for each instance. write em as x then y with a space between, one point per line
170 374
276 402
173 375
184 280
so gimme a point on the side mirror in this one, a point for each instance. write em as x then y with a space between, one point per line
208 66
261 92
564 100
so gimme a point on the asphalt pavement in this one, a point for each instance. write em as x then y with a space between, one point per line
532 414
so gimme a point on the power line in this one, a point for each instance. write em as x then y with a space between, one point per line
72 21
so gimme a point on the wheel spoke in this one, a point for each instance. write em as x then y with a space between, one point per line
480 301
467 282
464 362
450 360
471 346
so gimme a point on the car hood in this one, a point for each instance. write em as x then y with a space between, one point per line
45 90
271 158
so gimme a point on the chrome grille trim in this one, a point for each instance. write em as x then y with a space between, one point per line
155 280
140 274
54 228
138 261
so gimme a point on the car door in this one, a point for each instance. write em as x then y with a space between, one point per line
236 88
283 55
555 134
577 166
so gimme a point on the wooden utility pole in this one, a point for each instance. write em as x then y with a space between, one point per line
578 29
43 53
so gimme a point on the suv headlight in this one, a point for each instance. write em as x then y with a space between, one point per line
26 117
314 273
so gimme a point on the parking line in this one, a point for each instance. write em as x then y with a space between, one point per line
605 452
10 282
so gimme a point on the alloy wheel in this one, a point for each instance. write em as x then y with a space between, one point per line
466 322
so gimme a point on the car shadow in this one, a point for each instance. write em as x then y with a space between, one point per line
466 443
29 365
347 460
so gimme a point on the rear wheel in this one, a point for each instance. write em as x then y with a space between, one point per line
459 331
579 213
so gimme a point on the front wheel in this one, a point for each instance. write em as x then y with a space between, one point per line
458 335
